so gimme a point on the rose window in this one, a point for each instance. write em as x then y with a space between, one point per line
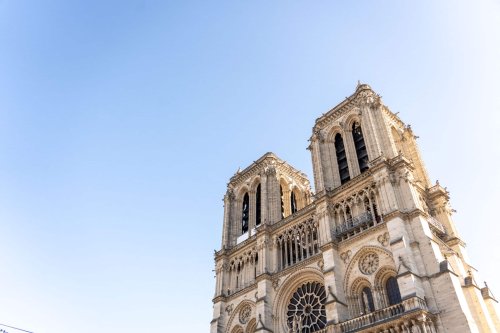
306 310
245 314
369 263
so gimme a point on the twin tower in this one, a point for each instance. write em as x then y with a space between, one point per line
374 249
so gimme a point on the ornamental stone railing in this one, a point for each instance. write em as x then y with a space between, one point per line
356 224
436 225
390 312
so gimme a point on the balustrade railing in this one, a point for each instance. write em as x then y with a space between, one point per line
359 222
408 305
437 225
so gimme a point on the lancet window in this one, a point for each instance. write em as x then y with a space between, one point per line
341 159
245 213
359 144
282 202
297 243
293 202
393 293
258 213
367 300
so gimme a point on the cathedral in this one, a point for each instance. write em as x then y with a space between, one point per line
372 249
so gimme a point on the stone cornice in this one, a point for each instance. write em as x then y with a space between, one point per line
262 164
364 234
241 247
364 95
393 117
295 218
298 266
354 185
240 292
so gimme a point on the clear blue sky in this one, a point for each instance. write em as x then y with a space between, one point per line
122 121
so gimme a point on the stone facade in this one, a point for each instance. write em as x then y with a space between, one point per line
374 249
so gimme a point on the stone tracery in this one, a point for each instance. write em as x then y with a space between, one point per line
306 310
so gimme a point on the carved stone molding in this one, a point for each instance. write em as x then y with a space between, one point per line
229 309
383 239
321 264
245 314
346 256
368 264
276 283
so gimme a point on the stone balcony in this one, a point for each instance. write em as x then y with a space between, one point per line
404 317
354 226
437 227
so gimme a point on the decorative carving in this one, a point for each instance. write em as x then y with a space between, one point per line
383 239
368 264
321 264
270 171
346 256
245 313
229 309
319 135
331 208
276 283
230 194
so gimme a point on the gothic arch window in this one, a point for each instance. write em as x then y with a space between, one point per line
375 214
293 202
306 309
255 266
282 202
237 329
252 326
245 213
359 144
341 159
348 214
367 300
392 288
257 206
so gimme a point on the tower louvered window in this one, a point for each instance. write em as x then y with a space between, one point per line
282 203
257 206
293 203
341 159
359 144
245 213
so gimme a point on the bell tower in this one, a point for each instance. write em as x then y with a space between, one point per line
374 249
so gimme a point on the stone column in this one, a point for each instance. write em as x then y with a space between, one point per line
226 228
336 303
252 211
263 199
264 306
319 183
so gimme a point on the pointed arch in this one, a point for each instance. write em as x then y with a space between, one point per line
341 155
360 146
252 326
287 290
233 322
385 255
245 213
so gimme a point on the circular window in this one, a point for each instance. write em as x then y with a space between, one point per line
369 263
306 310
245 313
